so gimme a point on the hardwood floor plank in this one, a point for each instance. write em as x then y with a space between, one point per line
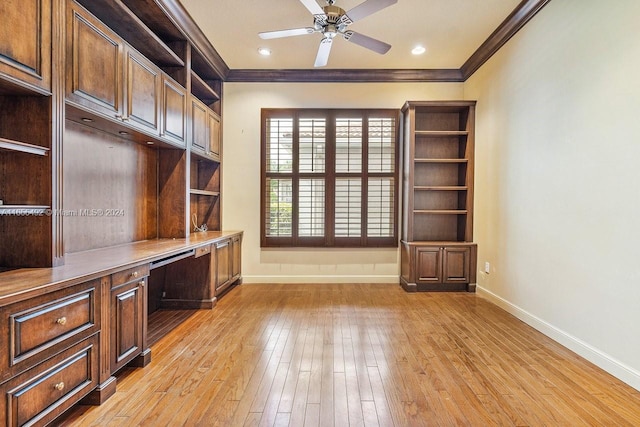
344 355
379 397
312 415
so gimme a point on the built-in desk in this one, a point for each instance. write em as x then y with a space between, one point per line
68 329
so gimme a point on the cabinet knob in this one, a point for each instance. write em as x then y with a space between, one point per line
134 274
141 283
59 386
61 321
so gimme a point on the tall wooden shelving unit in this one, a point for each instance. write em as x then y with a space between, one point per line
437 232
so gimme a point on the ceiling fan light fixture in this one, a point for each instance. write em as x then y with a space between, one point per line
264 51
418 50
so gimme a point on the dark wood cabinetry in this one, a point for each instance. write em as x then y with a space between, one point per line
205 131
38 396
174 111
25 44
142 93
94 72
222 260
226 263
95 103
437 210
51 360
128 316
433 266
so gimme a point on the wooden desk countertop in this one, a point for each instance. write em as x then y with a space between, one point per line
80 267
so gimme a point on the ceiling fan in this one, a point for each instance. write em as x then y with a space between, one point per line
332 20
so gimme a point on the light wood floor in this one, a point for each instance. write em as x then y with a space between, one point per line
353 355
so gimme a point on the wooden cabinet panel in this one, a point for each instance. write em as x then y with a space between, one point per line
199 126
41 394
226 263
174 106
94 63
33 329
456 264
236 261
41 325
429 265
222 265
142 98
448 266
214 134
127 319
25 41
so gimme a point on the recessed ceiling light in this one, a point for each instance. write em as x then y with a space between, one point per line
264 51
87 120
418 50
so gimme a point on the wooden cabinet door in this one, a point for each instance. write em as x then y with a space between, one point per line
25 42
223 266
142 96
94 64
174 107
236 260
199 126
429 264
214 134
455 264
127 320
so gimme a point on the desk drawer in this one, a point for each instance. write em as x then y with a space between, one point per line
39 395
31 330
202 250
128 275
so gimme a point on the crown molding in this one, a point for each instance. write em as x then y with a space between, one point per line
345 75
176 12
507 29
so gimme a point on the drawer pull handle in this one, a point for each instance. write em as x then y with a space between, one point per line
141 283
59 386
134 274
61 321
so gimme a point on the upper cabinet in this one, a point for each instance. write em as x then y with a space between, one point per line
94 64
205 131
174 111
142 92
25 44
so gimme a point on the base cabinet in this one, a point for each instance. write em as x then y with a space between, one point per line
433 267
39 395
226 263
128 316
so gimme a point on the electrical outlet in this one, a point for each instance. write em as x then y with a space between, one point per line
487 267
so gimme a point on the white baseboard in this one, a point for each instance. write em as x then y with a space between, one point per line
321 279
594 355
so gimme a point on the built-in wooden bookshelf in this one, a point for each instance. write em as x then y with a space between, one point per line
437 207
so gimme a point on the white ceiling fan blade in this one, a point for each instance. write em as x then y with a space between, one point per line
313 7
369 7
323 52
366 41
286 33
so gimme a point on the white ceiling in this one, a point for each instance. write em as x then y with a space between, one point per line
450 30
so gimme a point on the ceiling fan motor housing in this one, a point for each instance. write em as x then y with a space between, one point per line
333 21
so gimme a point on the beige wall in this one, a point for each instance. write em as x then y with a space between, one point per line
241 177
557 178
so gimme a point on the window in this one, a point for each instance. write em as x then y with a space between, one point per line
329 178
